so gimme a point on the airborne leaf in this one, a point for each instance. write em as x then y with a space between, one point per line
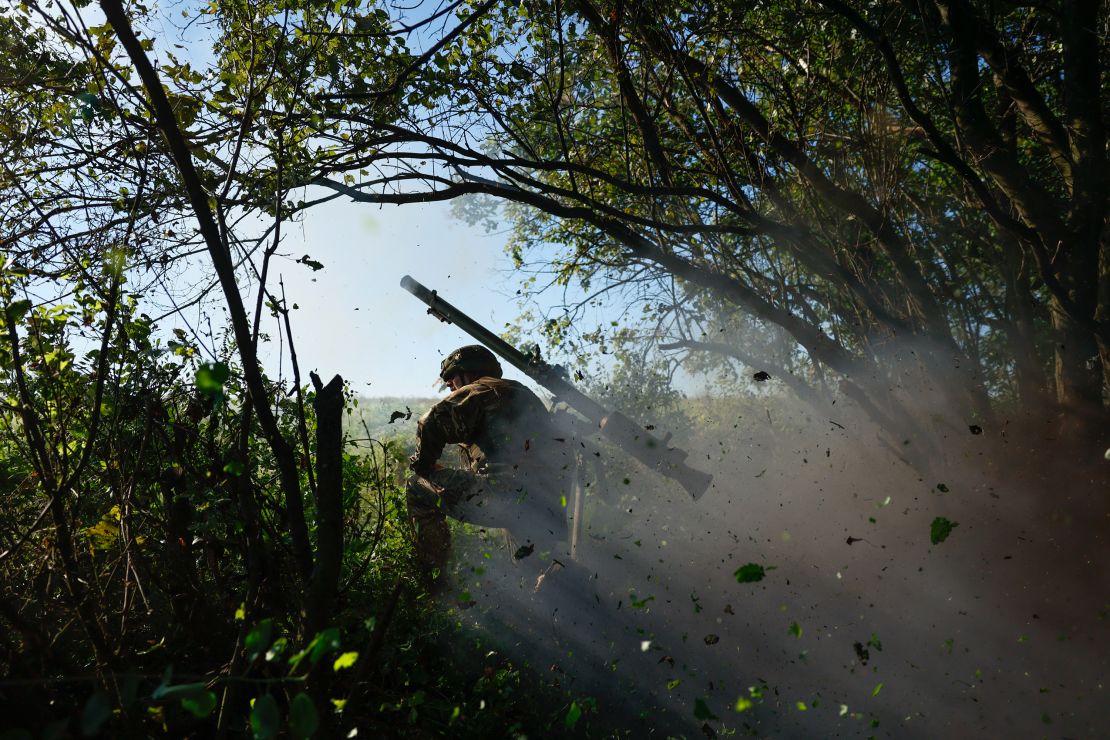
702 711
750 573
573 715
940 529
307 260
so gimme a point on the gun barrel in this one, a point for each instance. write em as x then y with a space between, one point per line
444 311
632 438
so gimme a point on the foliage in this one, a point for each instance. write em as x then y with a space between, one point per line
850 198
838 194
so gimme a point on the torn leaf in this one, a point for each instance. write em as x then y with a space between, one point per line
750 573
940 529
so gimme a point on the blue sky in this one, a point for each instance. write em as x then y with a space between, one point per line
356 320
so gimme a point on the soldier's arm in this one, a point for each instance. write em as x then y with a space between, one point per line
453 420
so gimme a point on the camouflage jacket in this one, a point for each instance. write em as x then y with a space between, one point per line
498 424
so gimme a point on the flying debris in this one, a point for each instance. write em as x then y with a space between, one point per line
750 573
307 260
406 415
940 529
761 376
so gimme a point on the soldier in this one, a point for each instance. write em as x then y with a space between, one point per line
507 479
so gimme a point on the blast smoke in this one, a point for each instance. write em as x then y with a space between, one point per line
891 604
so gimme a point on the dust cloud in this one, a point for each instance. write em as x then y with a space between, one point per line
890 604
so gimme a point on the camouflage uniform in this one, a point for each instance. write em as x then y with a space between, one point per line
503 431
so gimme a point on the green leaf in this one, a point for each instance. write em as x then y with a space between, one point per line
276 649
181 691
16 310
235 467
796 629
573 715
97 711
750 573
303 720
743 704
701 710
877 689
346 660
265 718
88 105
211 378
259 638
324 643
200 705
940 529
306 260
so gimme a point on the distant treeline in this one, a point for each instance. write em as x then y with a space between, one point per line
371 417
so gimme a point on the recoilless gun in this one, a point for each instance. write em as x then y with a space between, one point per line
618 428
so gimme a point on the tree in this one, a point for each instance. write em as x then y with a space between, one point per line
906 189
115 174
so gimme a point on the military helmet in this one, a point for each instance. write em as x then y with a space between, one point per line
473 359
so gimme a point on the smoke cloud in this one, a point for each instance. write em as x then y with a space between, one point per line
823 586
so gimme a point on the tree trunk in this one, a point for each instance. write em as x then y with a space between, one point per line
324 584
1078 380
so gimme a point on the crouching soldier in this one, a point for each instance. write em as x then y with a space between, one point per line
508 476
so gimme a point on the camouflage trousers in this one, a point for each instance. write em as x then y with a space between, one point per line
506 502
